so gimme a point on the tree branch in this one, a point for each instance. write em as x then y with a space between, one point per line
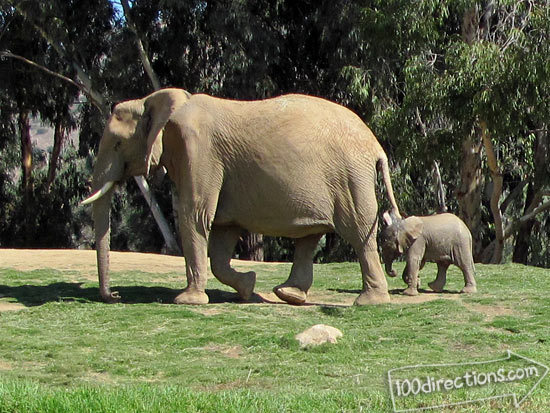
512 195
79 85
141 49
86 82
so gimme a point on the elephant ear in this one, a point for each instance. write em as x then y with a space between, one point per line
158 107
410 231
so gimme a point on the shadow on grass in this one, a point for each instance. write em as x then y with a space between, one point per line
395 291
36 295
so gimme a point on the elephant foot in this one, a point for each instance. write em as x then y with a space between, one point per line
372 297
192 297
469 289
438 288
411 291
111 297
245 286
291 295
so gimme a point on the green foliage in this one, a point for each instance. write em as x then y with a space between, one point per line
403 66
57 219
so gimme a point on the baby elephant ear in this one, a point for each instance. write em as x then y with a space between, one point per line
158 107
413 227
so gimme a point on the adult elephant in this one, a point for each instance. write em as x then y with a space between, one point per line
294 166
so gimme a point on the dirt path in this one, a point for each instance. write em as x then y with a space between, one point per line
84 262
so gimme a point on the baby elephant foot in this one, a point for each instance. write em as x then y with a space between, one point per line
193 297
245 285
435 286
471 288
291 295
412 291
372 297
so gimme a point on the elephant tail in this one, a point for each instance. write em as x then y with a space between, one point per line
382 165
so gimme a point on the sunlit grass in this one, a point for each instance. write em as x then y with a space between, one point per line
66 351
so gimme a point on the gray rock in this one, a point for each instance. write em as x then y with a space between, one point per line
318 334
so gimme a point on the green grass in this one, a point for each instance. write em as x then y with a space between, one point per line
66 351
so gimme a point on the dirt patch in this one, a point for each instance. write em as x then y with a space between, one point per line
207 310
4 366
99 377
490 312
10 307
233 352
422 298
84 261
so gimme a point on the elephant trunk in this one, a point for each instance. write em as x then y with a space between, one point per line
102 226
389 270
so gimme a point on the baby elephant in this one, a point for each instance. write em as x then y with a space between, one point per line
443 239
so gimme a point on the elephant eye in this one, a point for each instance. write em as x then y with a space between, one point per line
117 145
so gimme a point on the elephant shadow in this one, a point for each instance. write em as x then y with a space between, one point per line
394 291
37 295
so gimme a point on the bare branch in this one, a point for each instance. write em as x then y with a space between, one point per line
79 85
96 98
142 52
512 195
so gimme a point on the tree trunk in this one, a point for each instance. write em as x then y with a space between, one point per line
521 247
542 158
441 202
495 195
469 191
26 166
58 139
172 245
252 247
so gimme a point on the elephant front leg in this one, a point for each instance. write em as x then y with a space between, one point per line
195 247
294 289
222 245
410 276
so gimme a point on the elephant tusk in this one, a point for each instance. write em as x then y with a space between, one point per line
98 194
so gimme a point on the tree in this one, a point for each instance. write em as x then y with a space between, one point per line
57 23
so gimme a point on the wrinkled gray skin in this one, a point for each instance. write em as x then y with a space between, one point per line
293 166
443 239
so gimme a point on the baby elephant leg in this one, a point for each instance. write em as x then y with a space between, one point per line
294 290
438 284
470 285
410 276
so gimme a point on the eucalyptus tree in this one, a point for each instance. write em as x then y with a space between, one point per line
480 96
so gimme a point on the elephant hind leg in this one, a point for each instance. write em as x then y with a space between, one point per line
470 285
375 287
465 262
222 245
294 289
438 284
363 240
